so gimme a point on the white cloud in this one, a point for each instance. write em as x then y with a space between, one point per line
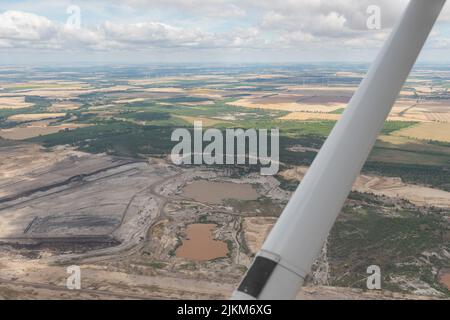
209 24
17 25
151 33
21 29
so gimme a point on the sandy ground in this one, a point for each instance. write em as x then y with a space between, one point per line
389 187
25 159
31 280
256 230
101 279
154 222
68 193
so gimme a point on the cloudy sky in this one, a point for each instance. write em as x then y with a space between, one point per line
243 31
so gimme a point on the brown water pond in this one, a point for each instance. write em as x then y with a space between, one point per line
199 244
215 192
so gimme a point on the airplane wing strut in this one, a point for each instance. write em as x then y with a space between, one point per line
286 257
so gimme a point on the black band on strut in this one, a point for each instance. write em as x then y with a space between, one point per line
257 276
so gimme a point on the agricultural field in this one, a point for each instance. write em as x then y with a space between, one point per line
86 179
428 131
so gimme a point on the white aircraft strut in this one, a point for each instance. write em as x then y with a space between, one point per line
292 246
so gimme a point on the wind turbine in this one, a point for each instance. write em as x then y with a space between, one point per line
280 267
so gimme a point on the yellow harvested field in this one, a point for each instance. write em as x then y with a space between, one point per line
36 129
414 80
13 103
62 89
424 89
396 140
310 116
57 107
207 93
35 116
427 131
306 116
241 87
263 76
115 88
402 118
57 93
397 110
427 113
102 107
142 82
47 84
306 107
70 92
165 90
349 74
130 100
206 121
406 93
289 106
164 80
427 117
438 117
319 88
411 110
201 103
